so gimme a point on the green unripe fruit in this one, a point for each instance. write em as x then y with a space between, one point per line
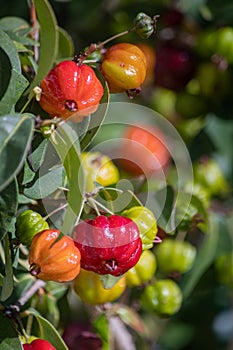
224 269
200 191
143 271
146 222
218 42
163 297
173 255
212 80
224 43
28 224
190 106
208 173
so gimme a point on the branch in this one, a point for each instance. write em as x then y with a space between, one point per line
121 337
12 310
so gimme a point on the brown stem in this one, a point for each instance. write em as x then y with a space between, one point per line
35 30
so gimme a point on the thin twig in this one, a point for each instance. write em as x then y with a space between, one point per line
35 30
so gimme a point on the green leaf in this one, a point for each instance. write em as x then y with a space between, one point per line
15 138
67 146
28 174
130 317
66 46
14 82
48 40
96 118
8 281
36 158
47 331
101 326
108 281
9 339
46 184
15 24
46 304
15 89
8 207
205 256
24 281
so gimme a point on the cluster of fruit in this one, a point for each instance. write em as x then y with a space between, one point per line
118 245
122 244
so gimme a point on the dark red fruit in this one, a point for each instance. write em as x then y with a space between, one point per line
172 18
81 334
175 66
108 245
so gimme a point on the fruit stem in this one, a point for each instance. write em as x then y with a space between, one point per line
101 44
96 204
61 207
34 270
14 309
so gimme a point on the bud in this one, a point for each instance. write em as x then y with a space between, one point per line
145 26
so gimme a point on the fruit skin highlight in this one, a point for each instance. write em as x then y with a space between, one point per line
52 258
71 91
108 245
124 67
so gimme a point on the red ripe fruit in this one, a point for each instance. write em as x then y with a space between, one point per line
70 90
38 344
108 245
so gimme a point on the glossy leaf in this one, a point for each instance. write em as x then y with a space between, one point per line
47 331
45 184
10 73
48 40
8 207
9 339
67 146
15 138
96 118
205 256
37 156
